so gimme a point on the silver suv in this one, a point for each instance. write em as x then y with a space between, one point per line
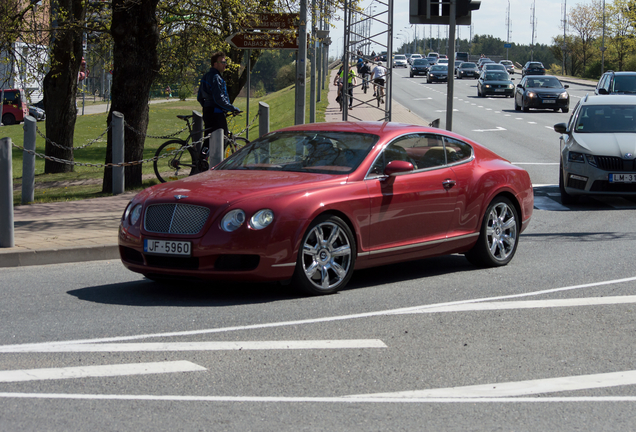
598 154
616 83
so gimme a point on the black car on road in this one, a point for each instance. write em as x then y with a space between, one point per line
533 68
543 92
437 73
467 69
419 66
495 82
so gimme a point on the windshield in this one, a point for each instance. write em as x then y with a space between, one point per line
420 62
543 82
400 57
439 68
497 76
625 84
303 151
468 66
606 119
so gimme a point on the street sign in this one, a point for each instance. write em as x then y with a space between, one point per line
273 21
263 40
507 45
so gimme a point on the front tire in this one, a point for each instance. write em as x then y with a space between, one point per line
566 198
498 236
326 257
8 119
172 164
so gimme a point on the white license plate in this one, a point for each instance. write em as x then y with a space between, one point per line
167 247
549 101
622 178
500 90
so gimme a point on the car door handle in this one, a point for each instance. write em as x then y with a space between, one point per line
448 183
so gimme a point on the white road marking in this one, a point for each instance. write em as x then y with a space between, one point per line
550 127
98 371
336 399
532 122
520 388
415 309
420 99
532 304
499 129
201 346
545 203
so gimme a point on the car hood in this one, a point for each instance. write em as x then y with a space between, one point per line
503 82
544 90
217 188
607 144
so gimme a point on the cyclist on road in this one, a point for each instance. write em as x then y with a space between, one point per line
379 72
213 97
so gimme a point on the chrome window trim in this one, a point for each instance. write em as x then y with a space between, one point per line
420 244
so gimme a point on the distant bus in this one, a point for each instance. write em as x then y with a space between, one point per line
14 107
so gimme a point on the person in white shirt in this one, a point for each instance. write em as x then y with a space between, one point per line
379 72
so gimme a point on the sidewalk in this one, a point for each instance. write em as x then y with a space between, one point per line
78 231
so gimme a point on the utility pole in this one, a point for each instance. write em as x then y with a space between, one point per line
533 24
565 26
301 65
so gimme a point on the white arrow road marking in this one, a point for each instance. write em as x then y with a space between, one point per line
200 346
520 388
499 128
98 371
414 309
331 400
530 304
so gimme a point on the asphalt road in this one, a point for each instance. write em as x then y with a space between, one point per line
543 344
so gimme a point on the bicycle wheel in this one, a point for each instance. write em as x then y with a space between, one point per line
173 166
233 144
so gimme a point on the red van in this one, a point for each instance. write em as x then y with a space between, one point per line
14 107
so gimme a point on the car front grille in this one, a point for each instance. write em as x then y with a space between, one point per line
547 95
612 163
175 218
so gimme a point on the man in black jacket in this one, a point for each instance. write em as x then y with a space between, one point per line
213 96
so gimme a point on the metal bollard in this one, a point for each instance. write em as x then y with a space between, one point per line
197 129
118 152
6 194
216 147
28 160
263 119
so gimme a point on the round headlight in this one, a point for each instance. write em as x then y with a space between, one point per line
135 214
261 219
233 220
127 211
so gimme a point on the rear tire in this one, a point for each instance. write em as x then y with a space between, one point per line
498 237
8 119
565 110
176 166
326 257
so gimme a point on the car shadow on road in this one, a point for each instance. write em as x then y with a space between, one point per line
185 293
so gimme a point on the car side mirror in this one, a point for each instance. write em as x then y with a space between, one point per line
519 85
603 91
512 79
561 128
397 166
566 86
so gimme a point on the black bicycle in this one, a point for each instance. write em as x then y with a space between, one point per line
178 158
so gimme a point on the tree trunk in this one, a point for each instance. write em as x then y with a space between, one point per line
60 83
136 64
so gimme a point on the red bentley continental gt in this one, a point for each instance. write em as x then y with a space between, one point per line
312 203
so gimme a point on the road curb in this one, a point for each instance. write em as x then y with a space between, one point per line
25 258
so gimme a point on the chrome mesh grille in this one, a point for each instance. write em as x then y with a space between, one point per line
175 218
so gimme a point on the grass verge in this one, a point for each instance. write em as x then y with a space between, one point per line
86 182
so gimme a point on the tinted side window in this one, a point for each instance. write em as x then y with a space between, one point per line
457 151
10 97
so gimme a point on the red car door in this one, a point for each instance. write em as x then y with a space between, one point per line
413 210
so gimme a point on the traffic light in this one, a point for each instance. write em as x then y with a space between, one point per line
438 11
464 7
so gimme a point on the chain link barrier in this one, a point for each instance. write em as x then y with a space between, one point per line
123 164
112 165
